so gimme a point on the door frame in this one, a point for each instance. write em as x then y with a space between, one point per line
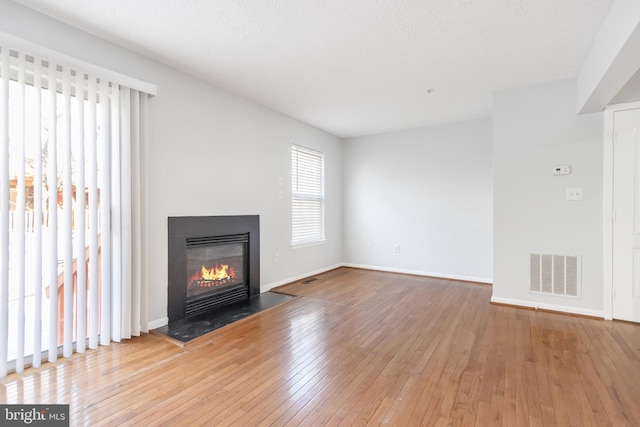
607 212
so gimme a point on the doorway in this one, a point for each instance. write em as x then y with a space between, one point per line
622 212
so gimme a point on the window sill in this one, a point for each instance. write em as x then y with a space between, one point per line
307 244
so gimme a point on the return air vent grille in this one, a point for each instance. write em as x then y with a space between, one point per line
555 274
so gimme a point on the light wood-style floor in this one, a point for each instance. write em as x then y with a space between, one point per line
360 348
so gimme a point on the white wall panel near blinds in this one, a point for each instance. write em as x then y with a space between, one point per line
72 241
307 195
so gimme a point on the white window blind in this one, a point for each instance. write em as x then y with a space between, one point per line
70 231
307 195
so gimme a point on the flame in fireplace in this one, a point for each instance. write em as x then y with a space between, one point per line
217 275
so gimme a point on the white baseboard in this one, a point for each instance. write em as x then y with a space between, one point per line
154 324
552 307
421 273
267 287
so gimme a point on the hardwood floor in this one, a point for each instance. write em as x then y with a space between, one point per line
360 348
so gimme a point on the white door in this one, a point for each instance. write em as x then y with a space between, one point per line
626 207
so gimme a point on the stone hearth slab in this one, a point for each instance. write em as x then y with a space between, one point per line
188 329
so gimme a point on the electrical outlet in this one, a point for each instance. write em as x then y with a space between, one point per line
369 247
277 258
573 194
396 248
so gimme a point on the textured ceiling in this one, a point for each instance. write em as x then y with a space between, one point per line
353 67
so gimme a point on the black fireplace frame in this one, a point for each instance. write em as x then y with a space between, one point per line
192 227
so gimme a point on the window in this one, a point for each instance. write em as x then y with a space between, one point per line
307 195
70 263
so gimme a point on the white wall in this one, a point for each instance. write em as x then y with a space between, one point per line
428 190
211 153
534 129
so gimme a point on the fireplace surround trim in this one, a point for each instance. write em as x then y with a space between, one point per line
185 228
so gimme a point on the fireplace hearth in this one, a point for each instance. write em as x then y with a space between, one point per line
214 261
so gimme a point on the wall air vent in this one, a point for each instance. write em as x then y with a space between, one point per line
555 274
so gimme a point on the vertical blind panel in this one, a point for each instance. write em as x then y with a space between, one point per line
123 312
19 254
140 311
4 209
52 210
105 215
36 143
67 213
94 203
93 232
135 323
117 206
80 218
307 195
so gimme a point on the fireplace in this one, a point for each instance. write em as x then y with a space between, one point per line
214 261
